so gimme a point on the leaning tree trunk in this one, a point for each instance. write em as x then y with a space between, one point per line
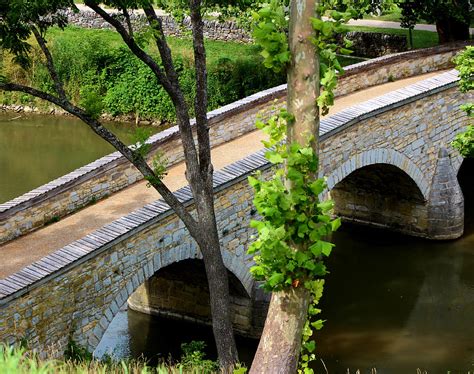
217 280
280 344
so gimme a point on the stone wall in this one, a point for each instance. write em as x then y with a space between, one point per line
366 44
227 31
374 44
112 173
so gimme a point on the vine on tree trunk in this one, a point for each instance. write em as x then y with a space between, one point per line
295 229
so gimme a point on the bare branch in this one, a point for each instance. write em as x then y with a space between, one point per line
58 85
134 157
171 87
127 19
200 103
134 47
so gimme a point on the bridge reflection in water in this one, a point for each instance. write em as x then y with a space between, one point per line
392 302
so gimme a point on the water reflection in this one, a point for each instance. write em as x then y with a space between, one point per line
36 149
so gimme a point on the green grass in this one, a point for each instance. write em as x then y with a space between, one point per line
15 360
179 46
393 16
421 39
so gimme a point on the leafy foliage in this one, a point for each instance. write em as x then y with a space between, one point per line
451 17
464 61
104 77
293 235
193 357
293 216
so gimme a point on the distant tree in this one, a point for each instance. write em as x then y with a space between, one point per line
464 142
452 17
409 17
22 21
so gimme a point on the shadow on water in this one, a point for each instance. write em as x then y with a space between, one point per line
391 302
160 338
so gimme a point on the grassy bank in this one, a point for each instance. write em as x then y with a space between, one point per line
99 71
101 74
421 39
19 361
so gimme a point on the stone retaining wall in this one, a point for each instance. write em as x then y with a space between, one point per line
227 31
113 173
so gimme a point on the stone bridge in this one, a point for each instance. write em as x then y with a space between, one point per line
388 163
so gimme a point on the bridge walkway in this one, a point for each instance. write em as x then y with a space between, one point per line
27 249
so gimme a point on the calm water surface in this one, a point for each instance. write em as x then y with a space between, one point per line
36 149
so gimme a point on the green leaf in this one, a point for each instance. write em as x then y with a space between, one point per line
317 186
310 346
275 279
335 224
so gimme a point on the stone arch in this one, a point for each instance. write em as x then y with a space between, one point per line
233 263
380 156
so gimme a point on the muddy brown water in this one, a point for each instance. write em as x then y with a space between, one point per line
35 149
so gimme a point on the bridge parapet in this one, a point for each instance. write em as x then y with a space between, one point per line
79 289
112 173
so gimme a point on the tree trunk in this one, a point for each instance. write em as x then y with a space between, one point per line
218 283
451 30
280 344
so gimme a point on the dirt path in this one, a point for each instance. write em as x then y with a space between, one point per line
25 250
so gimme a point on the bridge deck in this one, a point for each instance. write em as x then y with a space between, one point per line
27 249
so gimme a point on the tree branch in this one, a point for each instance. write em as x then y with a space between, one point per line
50 64
200 103
171 87
134 47
129 22
134 157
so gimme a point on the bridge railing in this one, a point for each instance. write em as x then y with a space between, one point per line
113 172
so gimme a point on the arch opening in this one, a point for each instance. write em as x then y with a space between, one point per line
382 195
180 291
466 182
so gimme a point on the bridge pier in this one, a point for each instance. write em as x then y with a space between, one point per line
446 201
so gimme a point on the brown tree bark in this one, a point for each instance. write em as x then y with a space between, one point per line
280 344
451 30
199 169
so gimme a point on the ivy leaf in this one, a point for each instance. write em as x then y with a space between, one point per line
326 248
318 325
274 158
275 279
310 346
326 205
336 224
317 186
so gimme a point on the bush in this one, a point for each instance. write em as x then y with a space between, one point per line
102 75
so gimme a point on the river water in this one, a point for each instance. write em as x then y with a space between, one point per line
36 149
391 302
